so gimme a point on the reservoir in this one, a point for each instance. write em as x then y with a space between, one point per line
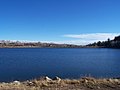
30 63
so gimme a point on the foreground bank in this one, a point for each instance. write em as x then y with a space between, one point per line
45 83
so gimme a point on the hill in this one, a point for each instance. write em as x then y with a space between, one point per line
18 44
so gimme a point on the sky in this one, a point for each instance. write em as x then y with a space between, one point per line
59 21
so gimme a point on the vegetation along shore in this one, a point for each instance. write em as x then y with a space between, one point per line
46 83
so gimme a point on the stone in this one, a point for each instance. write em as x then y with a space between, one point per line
16 82
116 80
47 78
110 80
98 87
57 78
86 81
30 83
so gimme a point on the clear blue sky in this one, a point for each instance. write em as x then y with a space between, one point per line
54 20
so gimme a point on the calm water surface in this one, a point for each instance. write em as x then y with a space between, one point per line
28 63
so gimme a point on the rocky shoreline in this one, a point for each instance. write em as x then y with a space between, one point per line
46 83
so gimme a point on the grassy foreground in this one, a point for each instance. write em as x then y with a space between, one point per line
45 83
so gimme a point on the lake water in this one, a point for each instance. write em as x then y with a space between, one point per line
29 63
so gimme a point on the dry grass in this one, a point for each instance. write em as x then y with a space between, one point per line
87 83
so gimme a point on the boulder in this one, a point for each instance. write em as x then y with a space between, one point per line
57 78
47 78
16 82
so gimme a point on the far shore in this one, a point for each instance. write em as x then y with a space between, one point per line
50 47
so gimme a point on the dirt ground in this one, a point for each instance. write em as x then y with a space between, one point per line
86 83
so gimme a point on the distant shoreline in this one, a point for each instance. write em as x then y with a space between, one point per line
60 46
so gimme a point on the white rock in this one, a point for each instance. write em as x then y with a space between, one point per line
86 81
57 78
47 78
116 80
16 82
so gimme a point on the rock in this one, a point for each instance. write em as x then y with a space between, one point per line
116 80
48 79
30 83
3 83
57 78
98 87
44 85
110 80
16 82
86 81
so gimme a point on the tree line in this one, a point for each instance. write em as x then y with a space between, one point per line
115 43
